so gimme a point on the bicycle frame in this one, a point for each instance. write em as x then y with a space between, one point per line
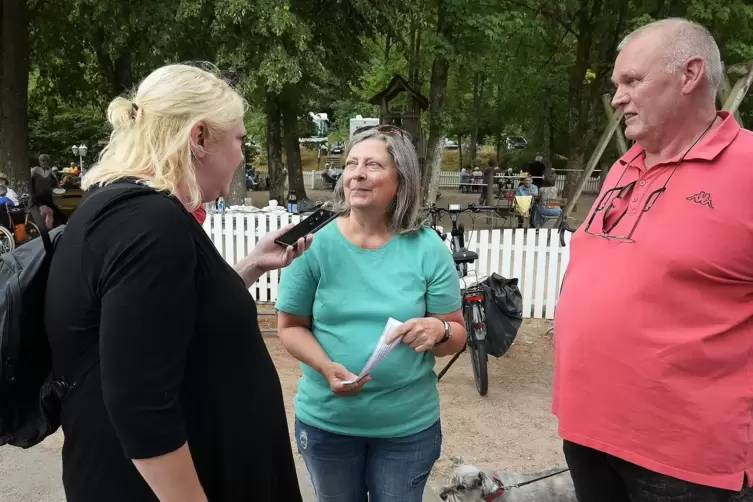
473 297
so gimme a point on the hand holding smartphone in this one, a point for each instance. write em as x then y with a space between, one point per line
310 225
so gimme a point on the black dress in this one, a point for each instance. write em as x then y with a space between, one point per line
181 356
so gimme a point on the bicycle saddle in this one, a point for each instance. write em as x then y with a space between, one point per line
464 256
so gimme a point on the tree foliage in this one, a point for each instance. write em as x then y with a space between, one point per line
492 68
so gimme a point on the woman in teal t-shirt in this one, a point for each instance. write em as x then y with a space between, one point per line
381 435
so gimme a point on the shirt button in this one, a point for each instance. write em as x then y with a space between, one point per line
643 182
634 199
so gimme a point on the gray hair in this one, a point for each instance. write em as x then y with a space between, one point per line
404 210
685 39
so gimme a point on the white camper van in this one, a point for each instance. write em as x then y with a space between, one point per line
358 121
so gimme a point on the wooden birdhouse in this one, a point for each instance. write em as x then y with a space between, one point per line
401 105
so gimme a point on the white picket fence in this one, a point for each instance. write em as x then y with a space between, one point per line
535 259
447 179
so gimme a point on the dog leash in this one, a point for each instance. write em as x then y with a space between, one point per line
494 496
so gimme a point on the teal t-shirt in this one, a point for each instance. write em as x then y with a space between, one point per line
350 293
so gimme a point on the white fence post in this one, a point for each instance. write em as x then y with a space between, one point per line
535 259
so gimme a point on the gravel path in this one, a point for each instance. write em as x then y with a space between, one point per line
511 428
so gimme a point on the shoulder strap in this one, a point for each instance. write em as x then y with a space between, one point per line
90 358
84 364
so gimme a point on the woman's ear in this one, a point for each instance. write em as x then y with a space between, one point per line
198 139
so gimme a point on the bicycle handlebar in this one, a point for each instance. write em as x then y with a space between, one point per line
470 208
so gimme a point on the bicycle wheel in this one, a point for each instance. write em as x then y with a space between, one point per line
476 325
7 241
479 361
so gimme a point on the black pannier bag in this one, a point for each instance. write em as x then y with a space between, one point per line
504 313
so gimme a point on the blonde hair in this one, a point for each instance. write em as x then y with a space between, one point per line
151 136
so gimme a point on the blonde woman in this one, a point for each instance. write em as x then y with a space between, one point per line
182 401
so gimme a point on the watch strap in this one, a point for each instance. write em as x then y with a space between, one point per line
447 333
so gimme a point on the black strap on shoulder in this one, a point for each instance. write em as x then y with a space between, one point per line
90 358
84 364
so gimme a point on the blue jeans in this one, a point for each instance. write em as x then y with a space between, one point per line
346 468
542 211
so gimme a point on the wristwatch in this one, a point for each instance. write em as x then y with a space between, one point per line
447 333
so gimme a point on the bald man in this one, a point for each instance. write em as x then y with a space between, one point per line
653 384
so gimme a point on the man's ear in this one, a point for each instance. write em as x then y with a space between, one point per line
198 139
693 71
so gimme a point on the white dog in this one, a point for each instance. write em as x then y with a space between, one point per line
471 484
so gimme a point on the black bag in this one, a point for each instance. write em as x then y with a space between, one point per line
25 358
504 313
31 395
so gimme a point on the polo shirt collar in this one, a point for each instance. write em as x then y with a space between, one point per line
711 145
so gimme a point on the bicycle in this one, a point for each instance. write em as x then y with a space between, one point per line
16 228
473 296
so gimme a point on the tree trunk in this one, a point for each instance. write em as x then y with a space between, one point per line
460 151
122 72
548 131
274 149
290 107
498 124
416 58
413 55
478 89
14 84
435 144
237 194
578 100
437 97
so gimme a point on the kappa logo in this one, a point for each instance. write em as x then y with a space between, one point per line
702 198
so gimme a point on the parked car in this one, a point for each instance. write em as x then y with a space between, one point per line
450 144
516 142
337 149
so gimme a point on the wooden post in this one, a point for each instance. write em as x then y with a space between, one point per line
725 88
619 136
736 95
601 146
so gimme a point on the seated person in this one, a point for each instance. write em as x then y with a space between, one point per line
541 208
527 188
4 199
11 194
68 182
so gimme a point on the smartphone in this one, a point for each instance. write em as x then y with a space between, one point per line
310 225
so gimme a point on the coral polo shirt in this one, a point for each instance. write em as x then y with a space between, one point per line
654 339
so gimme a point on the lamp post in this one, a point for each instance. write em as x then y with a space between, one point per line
81 152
